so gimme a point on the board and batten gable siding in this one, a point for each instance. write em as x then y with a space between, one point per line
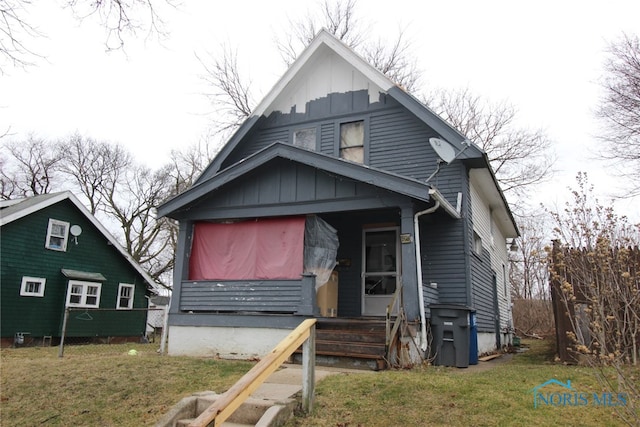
24 254
282 187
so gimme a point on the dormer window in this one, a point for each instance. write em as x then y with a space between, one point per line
57 235
305 138
352 141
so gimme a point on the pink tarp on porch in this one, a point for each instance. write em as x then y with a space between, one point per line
260 249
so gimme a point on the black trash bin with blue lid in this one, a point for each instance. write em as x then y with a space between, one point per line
451 330
473 338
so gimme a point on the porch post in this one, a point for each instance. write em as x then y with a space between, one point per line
181 266
308 305
409 276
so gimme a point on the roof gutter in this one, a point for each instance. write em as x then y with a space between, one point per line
448 207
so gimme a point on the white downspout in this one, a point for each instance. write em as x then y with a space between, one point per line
423 317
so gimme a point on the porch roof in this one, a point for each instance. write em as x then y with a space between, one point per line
388 181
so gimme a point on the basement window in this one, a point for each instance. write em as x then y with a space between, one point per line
352 141
32 286
57 235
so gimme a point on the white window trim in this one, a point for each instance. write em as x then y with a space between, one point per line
133 291
83 302
65 238
23 287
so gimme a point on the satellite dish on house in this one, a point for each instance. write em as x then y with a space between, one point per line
443 149
75 230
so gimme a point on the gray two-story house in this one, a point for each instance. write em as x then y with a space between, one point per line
339 177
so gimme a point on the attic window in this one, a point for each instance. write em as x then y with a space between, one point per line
57 234
352 141
305 138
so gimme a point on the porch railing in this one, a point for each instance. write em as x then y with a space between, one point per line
231 400
256 296
392 330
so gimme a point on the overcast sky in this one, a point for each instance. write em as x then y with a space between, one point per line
544 57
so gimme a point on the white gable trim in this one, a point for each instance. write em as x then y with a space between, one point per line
324 38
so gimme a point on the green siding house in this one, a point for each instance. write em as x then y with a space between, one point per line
55 255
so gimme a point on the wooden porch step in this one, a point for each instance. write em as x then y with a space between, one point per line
351 338
350 349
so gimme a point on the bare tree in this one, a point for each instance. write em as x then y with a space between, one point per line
231 92
528 265
336 17
620 109
31 169
520 157
529 278
187 165
14 29
119 18
340 18
93 165
132 202
231 95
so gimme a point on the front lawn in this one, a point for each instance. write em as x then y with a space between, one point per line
118 389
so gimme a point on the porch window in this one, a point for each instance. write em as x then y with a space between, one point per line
57 234
305 138
352 141
83 294
265 248
125 296
32 286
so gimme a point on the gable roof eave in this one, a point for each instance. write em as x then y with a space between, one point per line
431 119
40 202
382 179
227 148
507 213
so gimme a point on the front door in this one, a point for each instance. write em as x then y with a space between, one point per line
381 256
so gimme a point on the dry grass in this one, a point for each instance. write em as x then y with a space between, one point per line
38 388
437 396
116 389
